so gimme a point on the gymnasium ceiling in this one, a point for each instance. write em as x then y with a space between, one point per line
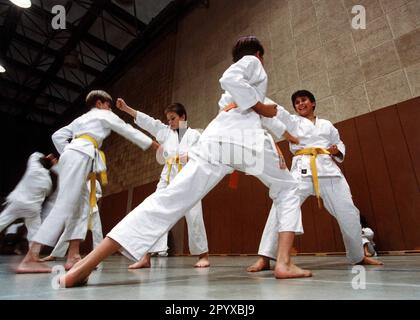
49 72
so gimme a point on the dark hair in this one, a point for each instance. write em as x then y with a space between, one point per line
96 95
303 93
178 108
46 163
248 45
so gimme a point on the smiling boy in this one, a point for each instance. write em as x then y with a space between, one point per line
314 167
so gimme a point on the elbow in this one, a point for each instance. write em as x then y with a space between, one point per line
224 84
55 137
226 81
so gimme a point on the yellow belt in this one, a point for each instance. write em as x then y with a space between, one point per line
92 175
170 162
314 152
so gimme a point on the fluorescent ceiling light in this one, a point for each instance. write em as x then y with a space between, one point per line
2 69
21 3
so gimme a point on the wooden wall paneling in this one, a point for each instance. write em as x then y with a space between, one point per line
254 212
234 210
403 182
409 114
218 206
142 192
379 183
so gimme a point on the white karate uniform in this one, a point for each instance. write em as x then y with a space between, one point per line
175 144
14 228
334 189
48 204
367 238
78 158
89 221
237 132
25 201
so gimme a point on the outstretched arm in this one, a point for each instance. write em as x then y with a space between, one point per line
282 114
144 121
124 107
127 131
265 110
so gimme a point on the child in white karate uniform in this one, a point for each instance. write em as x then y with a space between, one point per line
234 140
176 139
90 221
314 167
25 201
78 144
367 238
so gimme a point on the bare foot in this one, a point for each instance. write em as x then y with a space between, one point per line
33 267
370 261
287 271
70 280
46 259
75 277
261 264
71 261
203 261
142 263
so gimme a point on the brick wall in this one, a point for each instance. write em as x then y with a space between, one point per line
310 44
147 86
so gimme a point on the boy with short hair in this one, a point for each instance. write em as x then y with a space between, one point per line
314 167
78 144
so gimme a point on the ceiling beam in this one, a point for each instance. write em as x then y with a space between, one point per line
43 75
85 35
14 104
16 86
54 53
85 23
119 12
8 28
163 21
